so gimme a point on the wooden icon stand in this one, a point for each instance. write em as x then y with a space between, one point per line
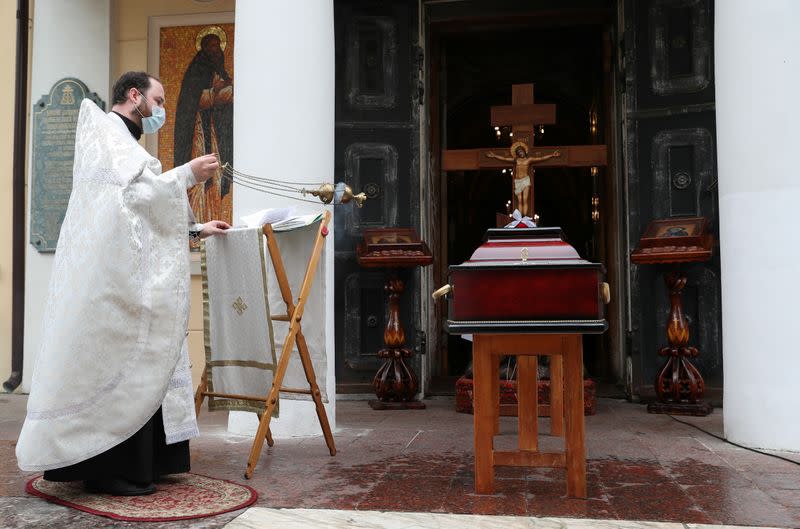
294 313
678 384
395 383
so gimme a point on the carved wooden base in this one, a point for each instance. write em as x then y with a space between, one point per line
679 385
395 381
699 409
411 405
678 380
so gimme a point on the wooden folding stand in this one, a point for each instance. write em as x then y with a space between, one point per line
294 313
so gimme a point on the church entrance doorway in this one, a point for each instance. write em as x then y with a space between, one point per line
473 67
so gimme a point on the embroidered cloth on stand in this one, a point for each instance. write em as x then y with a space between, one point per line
239 341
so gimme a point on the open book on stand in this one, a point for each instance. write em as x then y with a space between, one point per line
282 219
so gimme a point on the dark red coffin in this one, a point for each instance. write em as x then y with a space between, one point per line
526 280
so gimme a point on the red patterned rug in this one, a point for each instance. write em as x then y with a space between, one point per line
178 497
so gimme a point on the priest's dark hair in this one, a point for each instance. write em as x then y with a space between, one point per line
128 80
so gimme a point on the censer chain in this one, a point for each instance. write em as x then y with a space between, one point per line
258 183
268 191
227 167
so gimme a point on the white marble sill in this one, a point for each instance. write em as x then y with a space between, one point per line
263 518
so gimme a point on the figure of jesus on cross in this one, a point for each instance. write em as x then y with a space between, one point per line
523 115
522 172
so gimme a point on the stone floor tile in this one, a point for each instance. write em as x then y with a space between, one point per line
407 493
665 501
776 480
741 506
789 498
510 498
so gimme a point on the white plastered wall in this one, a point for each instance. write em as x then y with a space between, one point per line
757 56
70 39
8 56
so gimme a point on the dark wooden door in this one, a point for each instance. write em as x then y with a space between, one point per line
377 137
671 170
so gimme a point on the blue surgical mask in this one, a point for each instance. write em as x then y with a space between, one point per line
155 121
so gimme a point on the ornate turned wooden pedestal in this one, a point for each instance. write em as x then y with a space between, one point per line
395 383
679 385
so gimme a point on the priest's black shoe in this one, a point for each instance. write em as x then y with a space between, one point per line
119 487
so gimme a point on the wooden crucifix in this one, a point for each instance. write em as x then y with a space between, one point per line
523 115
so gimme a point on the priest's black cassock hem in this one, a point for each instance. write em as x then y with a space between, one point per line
142 458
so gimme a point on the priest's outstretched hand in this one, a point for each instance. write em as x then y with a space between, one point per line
204 167
213 227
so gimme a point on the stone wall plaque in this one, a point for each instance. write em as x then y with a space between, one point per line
55 118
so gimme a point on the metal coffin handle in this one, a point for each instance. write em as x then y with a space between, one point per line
605 292
443 291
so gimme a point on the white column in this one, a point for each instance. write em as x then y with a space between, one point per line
70 39
284 128
8 55
757 48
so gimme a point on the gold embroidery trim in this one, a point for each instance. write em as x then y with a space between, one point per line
242 363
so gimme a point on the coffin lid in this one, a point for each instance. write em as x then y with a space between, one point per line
508 244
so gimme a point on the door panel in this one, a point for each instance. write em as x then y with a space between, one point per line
671 167
377 134
372 167
675 56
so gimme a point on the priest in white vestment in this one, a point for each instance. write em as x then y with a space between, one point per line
111 399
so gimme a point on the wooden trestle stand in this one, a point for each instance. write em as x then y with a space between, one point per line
563 349
294 313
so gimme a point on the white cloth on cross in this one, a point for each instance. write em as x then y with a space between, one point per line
518 218
521 184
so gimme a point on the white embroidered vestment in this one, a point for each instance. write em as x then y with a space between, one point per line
114 329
